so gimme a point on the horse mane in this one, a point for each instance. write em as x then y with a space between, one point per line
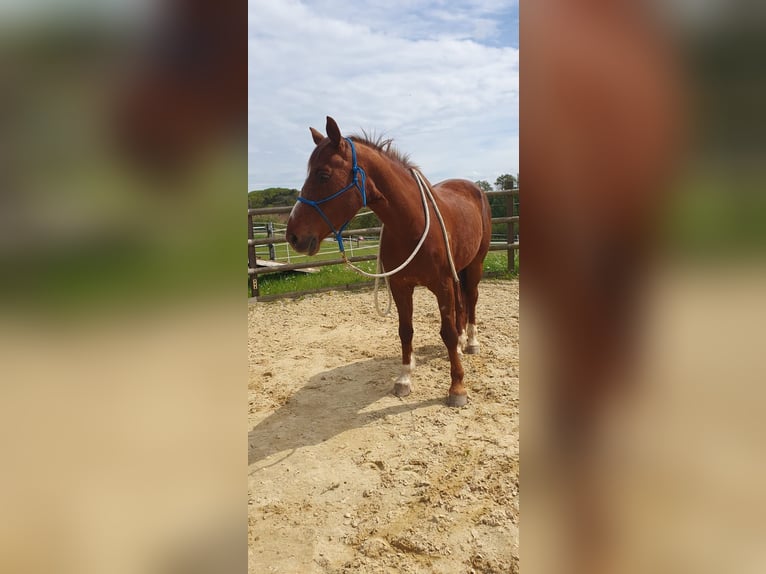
385 146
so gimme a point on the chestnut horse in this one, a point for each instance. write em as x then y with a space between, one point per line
345 174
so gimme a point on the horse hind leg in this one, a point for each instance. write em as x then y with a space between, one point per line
472 346
470 287
462 342
460 315
457 393
403 298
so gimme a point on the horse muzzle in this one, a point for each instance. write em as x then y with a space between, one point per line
302 231
308 244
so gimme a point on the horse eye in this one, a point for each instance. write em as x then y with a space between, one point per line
324 176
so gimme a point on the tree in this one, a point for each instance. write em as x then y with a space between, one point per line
484 185
272 197
505 181
497 204
364 221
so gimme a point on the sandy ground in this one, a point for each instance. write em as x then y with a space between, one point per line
345 477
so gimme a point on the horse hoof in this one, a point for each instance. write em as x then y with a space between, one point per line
472 349
457 400
402 390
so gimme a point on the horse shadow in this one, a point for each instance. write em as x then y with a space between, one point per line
330 403
428 353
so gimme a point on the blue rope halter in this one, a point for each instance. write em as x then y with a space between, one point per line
356 171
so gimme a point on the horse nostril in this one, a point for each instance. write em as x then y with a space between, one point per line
292 239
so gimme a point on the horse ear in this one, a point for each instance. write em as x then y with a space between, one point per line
333 131
317 135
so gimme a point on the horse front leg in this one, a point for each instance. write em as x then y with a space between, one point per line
402 295
457 393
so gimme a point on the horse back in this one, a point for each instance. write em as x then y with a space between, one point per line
465 200
467 213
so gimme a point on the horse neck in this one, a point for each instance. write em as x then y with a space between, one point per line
399 202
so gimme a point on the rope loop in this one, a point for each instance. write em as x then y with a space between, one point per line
424 190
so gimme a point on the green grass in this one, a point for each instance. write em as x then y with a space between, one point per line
718 217
341 276
133 249
329 276
496 262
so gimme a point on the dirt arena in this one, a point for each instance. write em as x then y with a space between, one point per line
345 477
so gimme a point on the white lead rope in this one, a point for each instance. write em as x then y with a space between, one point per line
377 282
422 184
417 247
424 190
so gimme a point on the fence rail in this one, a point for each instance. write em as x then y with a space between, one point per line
253 270
269 210
296 266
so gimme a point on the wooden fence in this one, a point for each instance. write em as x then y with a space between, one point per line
511 245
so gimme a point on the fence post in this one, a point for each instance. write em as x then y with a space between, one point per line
252 280
511 252
270 233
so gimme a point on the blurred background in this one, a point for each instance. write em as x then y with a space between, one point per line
718 213
642 371
122 180
123 125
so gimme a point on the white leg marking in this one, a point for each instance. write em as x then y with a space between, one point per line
473 343
462 339
472 333
404 380
404 377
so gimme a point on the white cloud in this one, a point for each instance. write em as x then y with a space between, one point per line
451 102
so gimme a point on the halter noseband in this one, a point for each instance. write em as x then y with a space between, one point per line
355 182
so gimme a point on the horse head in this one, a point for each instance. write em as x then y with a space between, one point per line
334 191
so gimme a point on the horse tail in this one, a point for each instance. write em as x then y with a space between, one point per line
486 211
486 217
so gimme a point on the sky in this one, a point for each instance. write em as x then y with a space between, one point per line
439 77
